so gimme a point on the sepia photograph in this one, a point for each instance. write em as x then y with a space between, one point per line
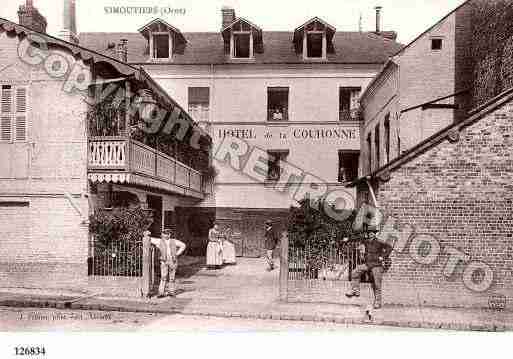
221 166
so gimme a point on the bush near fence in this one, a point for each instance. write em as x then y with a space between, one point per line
317 245
117 241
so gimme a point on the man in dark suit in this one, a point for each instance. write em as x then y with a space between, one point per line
271 240
376 253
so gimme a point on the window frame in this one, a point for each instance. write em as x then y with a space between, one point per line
432 41
324 45
350 152
282 155
285 114
351 110
189 103
14 114
152 45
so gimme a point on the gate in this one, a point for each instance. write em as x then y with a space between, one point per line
332 263
315 274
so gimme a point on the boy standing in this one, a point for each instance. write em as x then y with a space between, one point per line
170 249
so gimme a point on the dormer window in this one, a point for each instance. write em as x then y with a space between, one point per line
242 45
242 39
314 39
164 40
161 46
315 47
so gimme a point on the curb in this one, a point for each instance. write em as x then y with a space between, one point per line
74 305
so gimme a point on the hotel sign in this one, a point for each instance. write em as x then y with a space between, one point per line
290 132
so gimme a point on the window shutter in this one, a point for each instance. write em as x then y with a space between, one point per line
5 129
21 114
21 100
6 99
21 128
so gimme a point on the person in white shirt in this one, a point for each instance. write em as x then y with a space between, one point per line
170 249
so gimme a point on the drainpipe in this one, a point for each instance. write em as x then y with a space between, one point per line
371 190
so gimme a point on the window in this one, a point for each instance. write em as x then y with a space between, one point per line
348 165
13 113
278 104
199 103
161 46
170 221
387 137
369 152
348 99
241 45
436 44
242 36
377 145
314 45
274 159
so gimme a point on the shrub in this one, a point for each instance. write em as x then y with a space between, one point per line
117 237
316 232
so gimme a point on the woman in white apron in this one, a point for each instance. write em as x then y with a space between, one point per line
215 248
228 248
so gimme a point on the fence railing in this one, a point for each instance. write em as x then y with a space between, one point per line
117 259
305 263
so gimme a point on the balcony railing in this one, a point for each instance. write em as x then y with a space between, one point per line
119 155
349 115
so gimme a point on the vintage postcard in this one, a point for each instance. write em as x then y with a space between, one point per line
240 165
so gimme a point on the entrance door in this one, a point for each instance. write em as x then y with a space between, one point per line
155 204
253 241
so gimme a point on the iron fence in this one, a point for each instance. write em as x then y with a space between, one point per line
334 262
117 258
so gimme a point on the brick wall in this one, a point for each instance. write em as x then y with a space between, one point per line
44 245
460 193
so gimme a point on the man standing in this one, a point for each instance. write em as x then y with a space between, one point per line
375 253
271 240
170 249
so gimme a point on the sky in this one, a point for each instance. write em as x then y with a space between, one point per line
408 17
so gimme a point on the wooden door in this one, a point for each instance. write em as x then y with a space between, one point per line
253 241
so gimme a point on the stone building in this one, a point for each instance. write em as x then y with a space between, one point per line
290 96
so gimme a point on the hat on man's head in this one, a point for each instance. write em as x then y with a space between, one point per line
269 222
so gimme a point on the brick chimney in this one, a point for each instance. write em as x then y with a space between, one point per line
123 50
30 17
228 16
378 19
69 28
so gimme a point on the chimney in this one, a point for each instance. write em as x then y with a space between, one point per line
69 28
123 50
228 16
30 17
378 19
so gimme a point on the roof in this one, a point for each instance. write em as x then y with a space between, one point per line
450 133
432 27
90 56
387 65
209 48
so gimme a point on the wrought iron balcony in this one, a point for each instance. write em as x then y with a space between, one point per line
124 160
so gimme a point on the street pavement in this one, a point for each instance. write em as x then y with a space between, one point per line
248 292
55 320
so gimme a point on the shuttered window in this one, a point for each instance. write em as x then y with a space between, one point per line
6 98
13 113
5 128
